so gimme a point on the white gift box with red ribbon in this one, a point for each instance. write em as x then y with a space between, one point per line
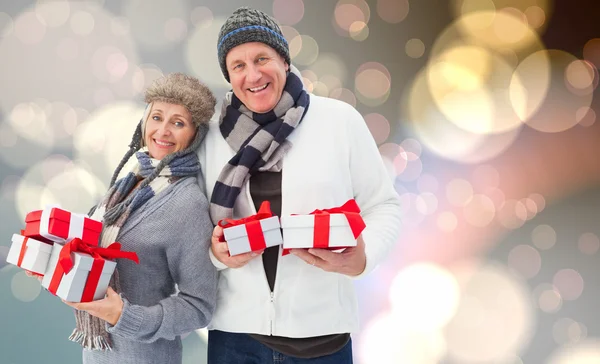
70 286
29 254
253 236
333 228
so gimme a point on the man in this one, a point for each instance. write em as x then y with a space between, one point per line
301 152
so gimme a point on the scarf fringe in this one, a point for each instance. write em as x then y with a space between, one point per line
96 343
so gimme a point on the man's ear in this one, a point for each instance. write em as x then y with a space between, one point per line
287 67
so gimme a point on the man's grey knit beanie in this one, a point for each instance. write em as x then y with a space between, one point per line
250 25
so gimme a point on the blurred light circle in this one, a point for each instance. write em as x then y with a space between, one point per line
359 31
409 214
205 68
504 321
378 126
54 13
201 16
408 166
288 12
98 146
591 51
427 203
550 301
588 243
64 77
109 64
539 200
469 86
558 111
343 94
560 330
372 83
392 11
320 89
25 289
415 48
309 50
512 215
447 221
144 75
331 82
413 146
585 352
443 137
82 23
459 192
291 33
536 17
386 340
581 76
175 29
500 32
585 116
424 296
29 29
463 7
76 189
21 152
497 196
543 237
525 260
479 210
6 25
427 183
150 27
329 65
569 283
577 332
348 12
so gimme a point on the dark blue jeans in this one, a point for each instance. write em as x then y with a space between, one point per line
233 348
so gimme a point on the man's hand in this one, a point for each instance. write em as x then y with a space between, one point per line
352 261
108 309
221 251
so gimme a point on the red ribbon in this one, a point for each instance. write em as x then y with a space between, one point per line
322 223
22 252
65 264
256 236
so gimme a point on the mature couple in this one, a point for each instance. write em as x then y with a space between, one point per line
273 142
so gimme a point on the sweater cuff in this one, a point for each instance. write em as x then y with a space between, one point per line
130 321
215 261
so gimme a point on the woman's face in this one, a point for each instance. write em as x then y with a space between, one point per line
169 128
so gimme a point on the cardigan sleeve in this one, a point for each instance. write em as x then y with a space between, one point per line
192 306
374 193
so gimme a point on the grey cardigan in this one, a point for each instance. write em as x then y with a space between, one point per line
171 235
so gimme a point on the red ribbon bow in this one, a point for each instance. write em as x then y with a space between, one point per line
253 227
65 264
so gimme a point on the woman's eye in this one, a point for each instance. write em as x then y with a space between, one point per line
179 124
156 117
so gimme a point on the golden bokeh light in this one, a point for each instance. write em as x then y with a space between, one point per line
393 11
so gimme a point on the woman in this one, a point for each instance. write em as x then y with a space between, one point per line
158 211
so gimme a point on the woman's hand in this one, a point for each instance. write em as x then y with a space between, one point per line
108 309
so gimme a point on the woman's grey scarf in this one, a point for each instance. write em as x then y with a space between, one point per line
121 200
259 139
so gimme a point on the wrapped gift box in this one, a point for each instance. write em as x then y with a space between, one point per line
86 281
252 233
28 253
253 236
333 228
54 224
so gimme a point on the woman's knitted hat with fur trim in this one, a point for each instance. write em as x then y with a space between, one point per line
184 90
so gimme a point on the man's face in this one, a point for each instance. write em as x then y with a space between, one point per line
257 74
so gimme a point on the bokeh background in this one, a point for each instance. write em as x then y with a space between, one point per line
484 112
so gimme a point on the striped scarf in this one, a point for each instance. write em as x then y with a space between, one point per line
259 139
121 200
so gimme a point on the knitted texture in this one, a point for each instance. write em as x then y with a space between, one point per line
171 235
247 25
259 139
